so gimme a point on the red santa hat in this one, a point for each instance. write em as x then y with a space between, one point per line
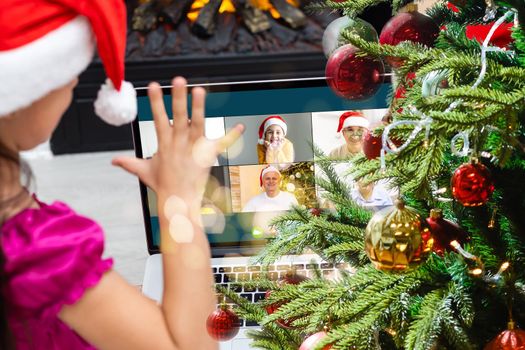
45 44
352 119
268 169
271 120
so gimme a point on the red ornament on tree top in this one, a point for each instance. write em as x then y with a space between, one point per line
511 339
351 76
223 324
408 26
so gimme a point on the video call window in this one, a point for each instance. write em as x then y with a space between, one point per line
272 167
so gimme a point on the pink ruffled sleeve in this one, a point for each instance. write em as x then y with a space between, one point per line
52 256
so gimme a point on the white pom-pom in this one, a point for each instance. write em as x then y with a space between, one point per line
261 142
116 107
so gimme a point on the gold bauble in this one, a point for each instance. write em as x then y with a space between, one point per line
396 240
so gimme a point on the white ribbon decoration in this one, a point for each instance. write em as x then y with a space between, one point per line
466 144
387 144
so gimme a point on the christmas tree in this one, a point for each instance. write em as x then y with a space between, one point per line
445 267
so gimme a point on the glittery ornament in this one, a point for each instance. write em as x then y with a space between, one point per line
395 239
223 324
332 35
510 339
443 232
311 342
353 77
289 278
472 184
408 26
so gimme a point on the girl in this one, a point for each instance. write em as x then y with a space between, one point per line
56 290
273 146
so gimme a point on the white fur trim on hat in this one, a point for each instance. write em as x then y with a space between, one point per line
30 72
116 107
356 121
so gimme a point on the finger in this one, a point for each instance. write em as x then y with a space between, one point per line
158 110
230 138
135 166
179 95
197 112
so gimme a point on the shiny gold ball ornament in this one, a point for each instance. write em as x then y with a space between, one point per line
396 240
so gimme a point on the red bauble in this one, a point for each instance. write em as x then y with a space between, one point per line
316 211
291 278
372 145
510 339
444 232
223 324
408 26
353 77
472 184
310 342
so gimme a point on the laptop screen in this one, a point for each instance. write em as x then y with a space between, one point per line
271 167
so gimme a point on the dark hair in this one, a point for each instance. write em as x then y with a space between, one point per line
6 339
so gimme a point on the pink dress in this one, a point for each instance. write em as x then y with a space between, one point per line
52 256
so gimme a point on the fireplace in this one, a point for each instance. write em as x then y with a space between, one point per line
205 41
223 28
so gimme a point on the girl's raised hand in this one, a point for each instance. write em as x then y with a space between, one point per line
184 156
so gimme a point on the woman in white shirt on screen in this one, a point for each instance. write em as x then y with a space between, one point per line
272 199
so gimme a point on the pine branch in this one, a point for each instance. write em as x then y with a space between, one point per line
377 300
350 251
424 331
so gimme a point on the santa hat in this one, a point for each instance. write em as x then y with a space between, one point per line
268 169
45 44
352 119
271 120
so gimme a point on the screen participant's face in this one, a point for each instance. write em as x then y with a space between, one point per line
354 138
274 133
271 183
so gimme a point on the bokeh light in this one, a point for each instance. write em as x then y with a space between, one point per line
181 229
213 219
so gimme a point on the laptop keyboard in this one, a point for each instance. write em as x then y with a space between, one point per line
232 277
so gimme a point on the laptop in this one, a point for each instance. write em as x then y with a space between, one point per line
311 112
